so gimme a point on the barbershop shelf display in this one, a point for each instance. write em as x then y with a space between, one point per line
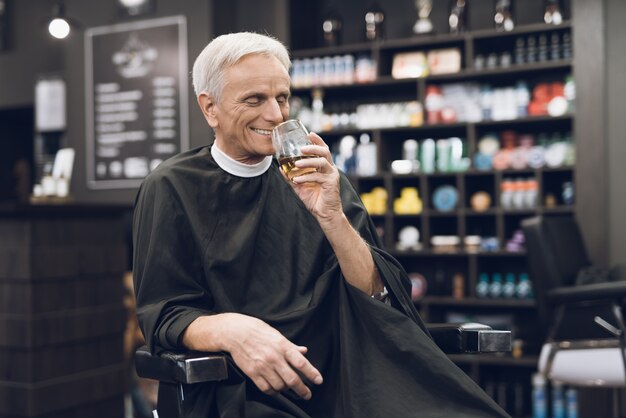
452 140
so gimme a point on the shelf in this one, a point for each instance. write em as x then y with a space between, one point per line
521 171
476 303
520 254
465 74
438 214
559 209
362 47
380 176
513 171
471 212
524 121
426 127
381 81
519 30
512 70
475 172
415 176
496 211
555 209
469 172
454 125
422 41
495 360
439 174
432 128
432 40
344 131
557 169
407 215
517 212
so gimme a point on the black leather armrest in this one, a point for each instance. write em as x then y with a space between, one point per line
191 367
195 367
469 338
588 292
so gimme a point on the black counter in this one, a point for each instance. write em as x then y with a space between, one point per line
62 318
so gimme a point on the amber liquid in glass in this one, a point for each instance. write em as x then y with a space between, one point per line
288 165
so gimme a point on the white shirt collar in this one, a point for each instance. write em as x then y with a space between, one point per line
239 169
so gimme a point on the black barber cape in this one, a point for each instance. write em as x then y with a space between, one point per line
206 242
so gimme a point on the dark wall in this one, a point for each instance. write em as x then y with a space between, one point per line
590 126
30 52
266 16
616 81
16 128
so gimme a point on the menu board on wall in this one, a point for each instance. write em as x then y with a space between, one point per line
136 99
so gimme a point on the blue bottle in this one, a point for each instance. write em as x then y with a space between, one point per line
524 287
571 402
539 397
558 400
509 287
482 287
495 288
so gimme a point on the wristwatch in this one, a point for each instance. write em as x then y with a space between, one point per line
383 296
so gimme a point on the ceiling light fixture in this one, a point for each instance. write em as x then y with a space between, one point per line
135 7
59 25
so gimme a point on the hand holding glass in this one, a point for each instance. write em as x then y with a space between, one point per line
288 138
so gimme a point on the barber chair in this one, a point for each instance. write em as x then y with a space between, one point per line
580 305
173 370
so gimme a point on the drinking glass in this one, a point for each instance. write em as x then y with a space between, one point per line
287 138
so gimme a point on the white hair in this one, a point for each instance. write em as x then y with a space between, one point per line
226 50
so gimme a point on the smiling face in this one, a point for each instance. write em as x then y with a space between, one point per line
254 100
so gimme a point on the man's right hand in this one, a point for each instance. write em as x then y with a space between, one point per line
268 358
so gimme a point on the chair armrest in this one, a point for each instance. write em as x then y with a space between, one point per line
196 367
588 292
188 368
469 338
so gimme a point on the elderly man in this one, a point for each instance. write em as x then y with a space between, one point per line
287 277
